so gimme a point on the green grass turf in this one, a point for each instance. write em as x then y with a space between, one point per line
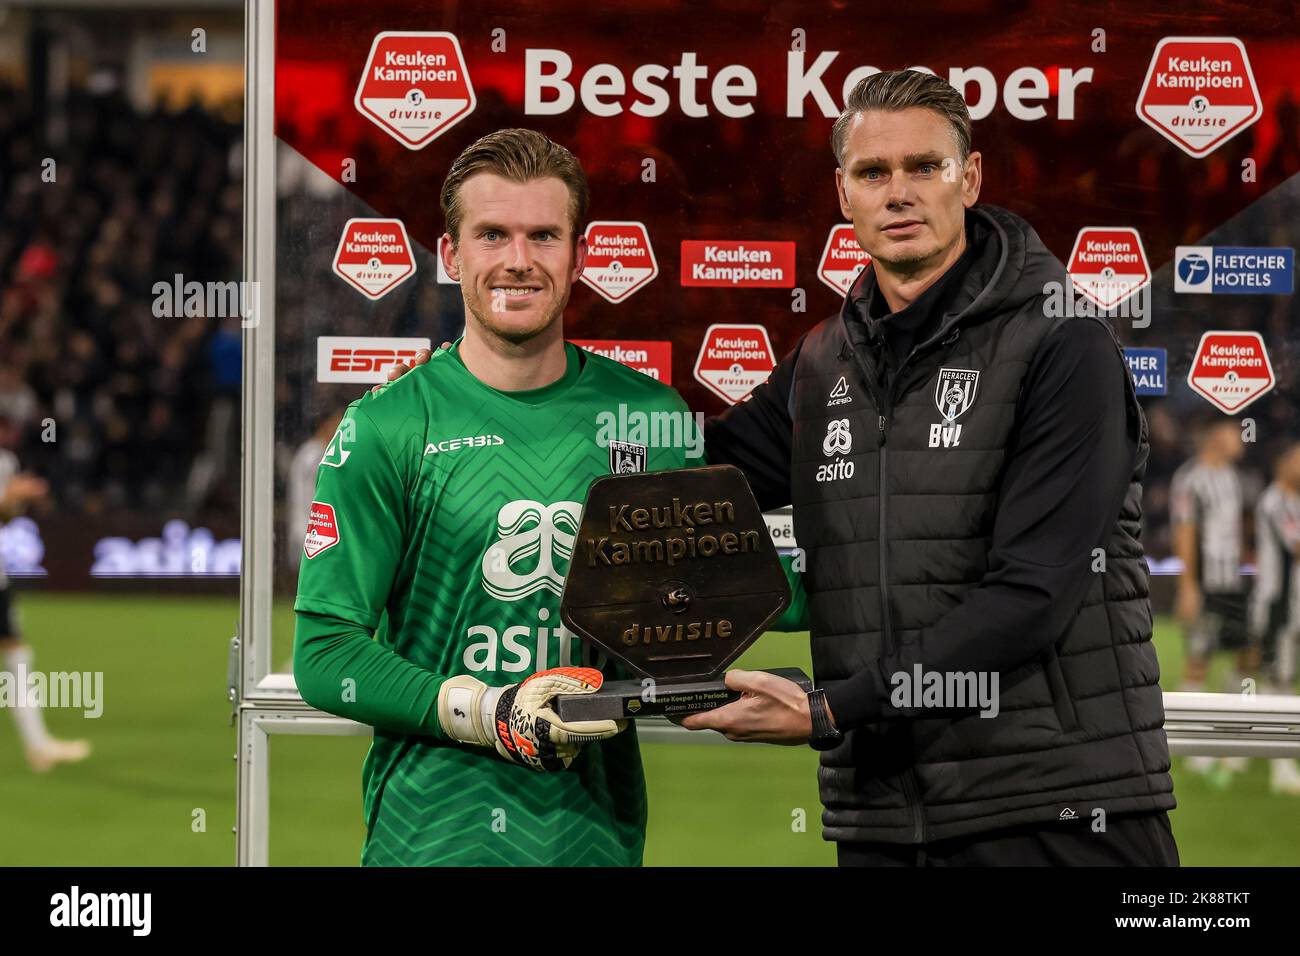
164 749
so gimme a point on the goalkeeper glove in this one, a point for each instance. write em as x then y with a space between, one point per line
517 719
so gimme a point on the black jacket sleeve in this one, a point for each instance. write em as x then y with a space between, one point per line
755 435
1069 462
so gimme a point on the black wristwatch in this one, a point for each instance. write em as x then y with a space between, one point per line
825 734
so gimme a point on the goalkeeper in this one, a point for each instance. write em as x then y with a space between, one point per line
444 517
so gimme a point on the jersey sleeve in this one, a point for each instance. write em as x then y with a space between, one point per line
794 617
356 527
355 538
755 435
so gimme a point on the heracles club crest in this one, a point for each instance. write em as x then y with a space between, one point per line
626 458
955 391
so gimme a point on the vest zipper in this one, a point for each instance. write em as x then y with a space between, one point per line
911 792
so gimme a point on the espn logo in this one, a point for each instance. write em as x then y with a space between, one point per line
362 359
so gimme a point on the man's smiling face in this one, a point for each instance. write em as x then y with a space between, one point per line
516 258
906 212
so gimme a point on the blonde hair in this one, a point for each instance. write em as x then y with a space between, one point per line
519 155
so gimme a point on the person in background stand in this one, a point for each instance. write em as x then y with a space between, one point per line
1275 598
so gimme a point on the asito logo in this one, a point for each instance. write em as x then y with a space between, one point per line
529 553
1199 92
842 260
374 256
1108 264
620 259
362 359
837 443
1231 369
415 86
838 440
322 530
533 538
734 360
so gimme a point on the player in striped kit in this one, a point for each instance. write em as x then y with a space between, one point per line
1275 599
18 490
1206 506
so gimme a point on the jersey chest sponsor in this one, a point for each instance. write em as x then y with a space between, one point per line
526 648
528 554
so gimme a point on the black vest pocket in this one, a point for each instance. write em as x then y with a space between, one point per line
1061 701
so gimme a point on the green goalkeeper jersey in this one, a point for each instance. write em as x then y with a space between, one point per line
444 517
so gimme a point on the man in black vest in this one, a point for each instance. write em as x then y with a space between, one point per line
965 465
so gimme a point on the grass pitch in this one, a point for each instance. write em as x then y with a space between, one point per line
160 786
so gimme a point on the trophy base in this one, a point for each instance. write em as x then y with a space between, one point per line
621 699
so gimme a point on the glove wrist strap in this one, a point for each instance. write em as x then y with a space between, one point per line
461 708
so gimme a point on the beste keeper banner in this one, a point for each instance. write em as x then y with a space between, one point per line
704 128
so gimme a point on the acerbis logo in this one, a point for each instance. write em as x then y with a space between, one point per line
470 441
335 454
838 441
532 539
839 394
